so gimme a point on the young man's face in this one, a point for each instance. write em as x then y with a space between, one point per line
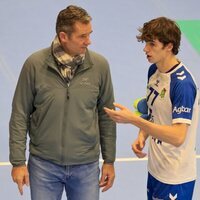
156 52
79 40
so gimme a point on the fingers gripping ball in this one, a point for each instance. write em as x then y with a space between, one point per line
141 108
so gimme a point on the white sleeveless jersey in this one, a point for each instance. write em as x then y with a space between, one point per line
173 98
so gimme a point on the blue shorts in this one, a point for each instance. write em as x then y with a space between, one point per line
158 190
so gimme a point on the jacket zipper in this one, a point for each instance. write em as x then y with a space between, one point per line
67 91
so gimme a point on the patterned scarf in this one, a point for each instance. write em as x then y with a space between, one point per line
67 64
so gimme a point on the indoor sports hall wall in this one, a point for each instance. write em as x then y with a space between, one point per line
29 25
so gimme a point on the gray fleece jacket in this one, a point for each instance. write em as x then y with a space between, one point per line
66 123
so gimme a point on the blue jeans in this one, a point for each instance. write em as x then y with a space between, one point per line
48 180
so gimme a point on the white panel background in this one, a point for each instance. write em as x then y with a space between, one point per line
26 26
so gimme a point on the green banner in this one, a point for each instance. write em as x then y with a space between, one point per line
191 29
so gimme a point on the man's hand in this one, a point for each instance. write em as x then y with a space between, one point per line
107 176
138 146
20 176
121 115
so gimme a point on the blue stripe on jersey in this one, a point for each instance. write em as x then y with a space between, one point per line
182 93
152 70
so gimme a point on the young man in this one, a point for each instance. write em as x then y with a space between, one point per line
172 98
59 101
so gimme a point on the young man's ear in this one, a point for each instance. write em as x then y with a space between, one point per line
169 46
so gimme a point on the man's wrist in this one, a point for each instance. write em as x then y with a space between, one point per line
108 163
21 165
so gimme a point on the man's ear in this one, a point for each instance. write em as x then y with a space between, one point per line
63 37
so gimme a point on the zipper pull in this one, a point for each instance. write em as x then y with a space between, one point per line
68 90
